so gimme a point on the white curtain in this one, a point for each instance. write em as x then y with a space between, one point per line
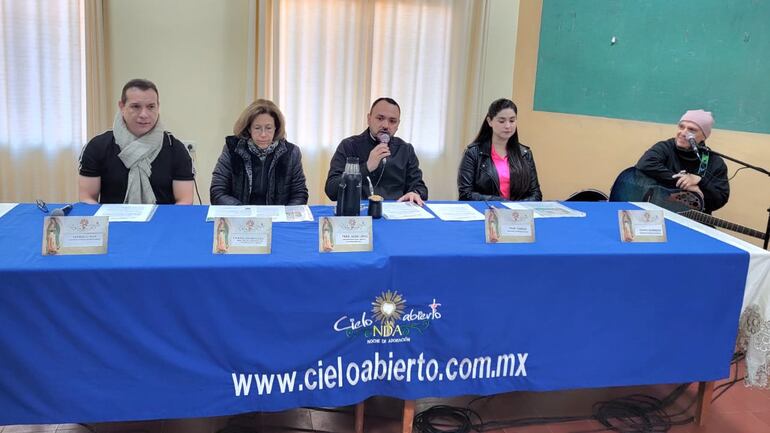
324 62
41 99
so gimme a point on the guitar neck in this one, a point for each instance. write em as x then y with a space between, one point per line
714 221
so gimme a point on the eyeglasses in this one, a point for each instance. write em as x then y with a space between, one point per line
41 205
266 129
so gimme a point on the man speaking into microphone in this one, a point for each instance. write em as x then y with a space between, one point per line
685 163
388 161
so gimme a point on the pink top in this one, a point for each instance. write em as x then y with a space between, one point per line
503 173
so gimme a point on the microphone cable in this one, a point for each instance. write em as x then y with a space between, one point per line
736 173
382 171
376 184
190 149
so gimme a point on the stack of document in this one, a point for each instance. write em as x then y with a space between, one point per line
137 213
404 211
546 209
456 212
279 214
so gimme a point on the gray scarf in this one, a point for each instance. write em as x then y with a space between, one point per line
137 155
259 152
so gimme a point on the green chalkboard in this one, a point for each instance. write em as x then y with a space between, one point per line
668 56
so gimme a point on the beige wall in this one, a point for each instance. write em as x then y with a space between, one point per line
196 52
497 59
576 152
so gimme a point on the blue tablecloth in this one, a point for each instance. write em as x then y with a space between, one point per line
161 328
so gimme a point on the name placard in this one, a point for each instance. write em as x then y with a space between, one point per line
344 234
509 225
74 235
242 235
642 226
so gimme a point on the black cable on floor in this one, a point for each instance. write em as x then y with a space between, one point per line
737 358
632 414
636 413
460 420
640 413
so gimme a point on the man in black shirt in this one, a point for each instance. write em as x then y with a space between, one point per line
675 164
388 161
136 162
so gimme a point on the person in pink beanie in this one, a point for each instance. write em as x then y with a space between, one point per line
676 163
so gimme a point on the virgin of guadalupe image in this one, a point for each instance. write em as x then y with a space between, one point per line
493 226
628 232
52 232
223 231
327 234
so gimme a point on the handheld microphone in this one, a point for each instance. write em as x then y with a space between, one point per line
384 137
693 143
62 211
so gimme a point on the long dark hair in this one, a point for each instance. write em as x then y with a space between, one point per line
519 171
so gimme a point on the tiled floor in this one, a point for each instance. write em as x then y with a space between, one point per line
739 410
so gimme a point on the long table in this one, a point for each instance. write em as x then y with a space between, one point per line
161 328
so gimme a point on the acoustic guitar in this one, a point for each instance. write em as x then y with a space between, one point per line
707 219
633 185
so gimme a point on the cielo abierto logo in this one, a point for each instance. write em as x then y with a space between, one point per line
390 322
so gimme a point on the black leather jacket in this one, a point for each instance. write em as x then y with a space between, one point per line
477 178
231 179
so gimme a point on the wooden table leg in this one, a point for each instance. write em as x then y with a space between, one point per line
705 391
360 417
406 426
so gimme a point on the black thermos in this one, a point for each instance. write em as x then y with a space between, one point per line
349 190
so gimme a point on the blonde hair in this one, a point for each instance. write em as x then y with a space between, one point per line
260 106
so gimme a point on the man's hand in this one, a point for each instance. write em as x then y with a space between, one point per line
413 197
686 180
375 156
696 189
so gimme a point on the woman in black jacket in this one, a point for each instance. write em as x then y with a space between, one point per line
496 166
258 166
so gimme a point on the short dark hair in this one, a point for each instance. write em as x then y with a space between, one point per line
141 84
390 101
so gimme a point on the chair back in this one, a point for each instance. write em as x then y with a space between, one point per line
588 195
